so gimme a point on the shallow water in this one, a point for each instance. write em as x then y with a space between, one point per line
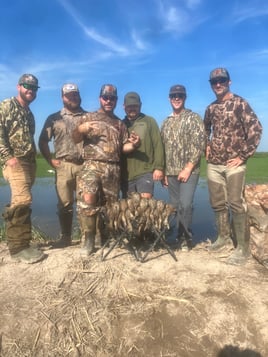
44 207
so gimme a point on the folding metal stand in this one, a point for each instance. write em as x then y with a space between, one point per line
119 240
160 238
130 238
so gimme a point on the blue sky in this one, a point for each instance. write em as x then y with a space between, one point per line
137 45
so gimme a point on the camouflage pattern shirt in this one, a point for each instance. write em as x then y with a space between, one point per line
183 137
17 128
60 126
105 145
232 130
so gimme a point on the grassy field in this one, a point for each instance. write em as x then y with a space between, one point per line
257 168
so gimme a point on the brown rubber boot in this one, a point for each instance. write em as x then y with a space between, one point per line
242 234
224 231
88 232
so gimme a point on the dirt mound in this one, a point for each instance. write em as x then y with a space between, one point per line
197 306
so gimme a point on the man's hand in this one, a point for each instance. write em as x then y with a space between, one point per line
87 127
207 152
55 163
158 175
235 162
12 162
134 139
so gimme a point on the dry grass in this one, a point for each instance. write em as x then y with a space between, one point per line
65 306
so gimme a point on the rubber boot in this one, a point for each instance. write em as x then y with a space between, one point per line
66 219
19 234
241 233
224 231
88 232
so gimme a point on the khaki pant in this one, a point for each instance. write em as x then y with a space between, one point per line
21 179
226 188
66 176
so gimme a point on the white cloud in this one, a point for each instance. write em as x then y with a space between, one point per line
245 12
101 39
138 41
192 4
180 19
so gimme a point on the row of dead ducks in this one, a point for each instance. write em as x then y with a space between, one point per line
136 215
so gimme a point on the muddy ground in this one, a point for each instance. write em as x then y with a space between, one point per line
197 306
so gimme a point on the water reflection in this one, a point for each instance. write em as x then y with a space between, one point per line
44 214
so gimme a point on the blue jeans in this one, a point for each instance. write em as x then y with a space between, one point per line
181 196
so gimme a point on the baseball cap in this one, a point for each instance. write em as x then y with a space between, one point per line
108 89
69 87
28 79
219 73
132 98
177 88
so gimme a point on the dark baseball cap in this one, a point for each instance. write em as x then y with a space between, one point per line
108 89
219 73
177 88
28 79
132 98
69 87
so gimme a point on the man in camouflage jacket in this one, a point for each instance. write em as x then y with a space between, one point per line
233 135
68 157
104 138
17 155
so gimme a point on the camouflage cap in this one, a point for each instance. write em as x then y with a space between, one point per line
132 98
219 73
108 89
177 88
28 79
69 87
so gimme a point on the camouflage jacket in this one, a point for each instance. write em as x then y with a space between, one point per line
105 145
183 137
232 129
60 126
17 128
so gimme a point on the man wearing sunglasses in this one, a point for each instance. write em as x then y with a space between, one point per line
233 135
183 136
104 137
68 157
17 155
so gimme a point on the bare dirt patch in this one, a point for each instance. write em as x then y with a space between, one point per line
197 306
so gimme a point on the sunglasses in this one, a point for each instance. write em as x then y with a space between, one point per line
30 87
215 81
177 95
112 98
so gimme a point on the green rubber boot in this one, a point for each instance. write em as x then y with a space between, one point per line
224 231
241 234
29 255
88 232
65 219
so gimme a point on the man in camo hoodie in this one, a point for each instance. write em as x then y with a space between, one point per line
233 135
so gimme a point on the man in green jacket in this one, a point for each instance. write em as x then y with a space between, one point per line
145 165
